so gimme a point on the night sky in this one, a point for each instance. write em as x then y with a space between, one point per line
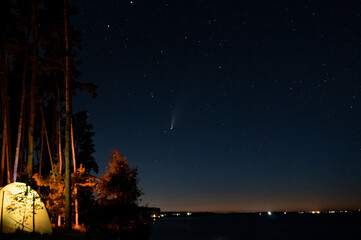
228 105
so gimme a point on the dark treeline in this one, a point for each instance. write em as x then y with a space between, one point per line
34 116
32 56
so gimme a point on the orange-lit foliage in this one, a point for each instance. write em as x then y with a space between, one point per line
54 196
119 184
82 178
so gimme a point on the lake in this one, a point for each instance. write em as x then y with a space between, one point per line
255 226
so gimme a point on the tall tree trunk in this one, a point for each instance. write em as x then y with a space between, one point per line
72 144
3 101
35 28
67 121
59 220
58 134
6 153
3 76
46 137
22 147
58 123
2 174
17 153
8 158
6 133
41 149
74 166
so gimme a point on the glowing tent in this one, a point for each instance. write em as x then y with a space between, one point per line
21 209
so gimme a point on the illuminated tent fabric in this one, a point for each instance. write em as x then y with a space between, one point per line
18 203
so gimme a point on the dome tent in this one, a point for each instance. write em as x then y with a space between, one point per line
21 209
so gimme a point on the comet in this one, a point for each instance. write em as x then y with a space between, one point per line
172 121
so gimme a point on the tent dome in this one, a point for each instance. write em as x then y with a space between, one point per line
21 209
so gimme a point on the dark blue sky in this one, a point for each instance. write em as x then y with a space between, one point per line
264 97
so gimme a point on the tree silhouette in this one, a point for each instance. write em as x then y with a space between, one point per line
118 195
84 145
119 184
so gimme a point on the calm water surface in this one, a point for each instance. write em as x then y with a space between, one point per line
277 226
